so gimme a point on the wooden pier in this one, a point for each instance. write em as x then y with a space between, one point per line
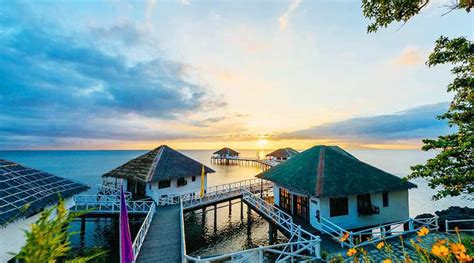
163 240
265 164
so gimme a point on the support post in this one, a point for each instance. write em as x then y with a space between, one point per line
215 218
241 209
230 207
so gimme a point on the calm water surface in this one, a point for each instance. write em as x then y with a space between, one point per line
232 233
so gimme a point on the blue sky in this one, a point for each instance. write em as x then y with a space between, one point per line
203 74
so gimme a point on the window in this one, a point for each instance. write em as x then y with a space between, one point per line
164 184
181 182
385 199
193 178
285 199
364 205
301 206
338 206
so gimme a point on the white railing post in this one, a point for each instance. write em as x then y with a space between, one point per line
446 226
260 254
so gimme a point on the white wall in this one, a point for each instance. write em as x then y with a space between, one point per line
12 237
396 210
195 186
276 195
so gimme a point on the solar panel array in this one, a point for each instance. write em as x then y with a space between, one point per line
22 187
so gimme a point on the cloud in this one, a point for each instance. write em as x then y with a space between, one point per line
414 123
284 19
59 84
410 57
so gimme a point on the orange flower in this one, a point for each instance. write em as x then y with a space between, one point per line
387 260
344 237
440 242
423 232
351 252
464 257
380 245
457 248
440 251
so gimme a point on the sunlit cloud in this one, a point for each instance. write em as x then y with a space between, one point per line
284 19
410 57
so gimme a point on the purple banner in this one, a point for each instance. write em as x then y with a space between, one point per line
126 249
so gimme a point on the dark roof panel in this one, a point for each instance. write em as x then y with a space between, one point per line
25 191
227 151
330 171
283 153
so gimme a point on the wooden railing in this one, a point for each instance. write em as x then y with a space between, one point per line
213 193
141 235
446 225
107 204
109 190
378 233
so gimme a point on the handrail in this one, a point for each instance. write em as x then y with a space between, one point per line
108 203
260 250
181 225
446 224
141 235
108 190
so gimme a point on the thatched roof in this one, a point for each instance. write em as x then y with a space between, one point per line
25 191
227 151
329 171
283 153
159 164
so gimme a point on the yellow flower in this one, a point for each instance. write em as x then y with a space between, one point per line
387 260
380 245
464 257
344 237
351 252
440 251
423 232
457 248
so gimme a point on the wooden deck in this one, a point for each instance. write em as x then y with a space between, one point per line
163 241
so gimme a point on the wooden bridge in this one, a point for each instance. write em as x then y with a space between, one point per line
161 236
265 164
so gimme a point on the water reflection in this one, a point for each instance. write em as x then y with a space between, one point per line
227 229
100 233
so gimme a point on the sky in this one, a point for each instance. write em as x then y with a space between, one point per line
206 74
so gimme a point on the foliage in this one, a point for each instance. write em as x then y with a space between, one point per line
48 238
385 12
453 168
458 249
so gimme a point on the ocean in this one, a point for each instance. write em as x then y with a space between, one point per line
202 238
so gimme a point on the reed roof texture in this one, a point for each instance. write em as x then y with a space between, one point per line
25 191
227 151
283 153
329 171
162 163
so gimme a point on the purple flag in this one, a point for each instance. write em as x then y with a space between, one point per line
126 250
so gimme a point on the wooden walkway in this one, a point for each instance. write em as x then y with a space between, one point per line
163 240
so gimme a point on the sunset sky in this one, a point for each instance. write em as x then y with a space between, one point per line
207 74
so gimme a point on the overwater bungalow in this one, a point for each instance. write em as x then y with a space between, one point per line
225 153
282 154
158 173
327 183
24 193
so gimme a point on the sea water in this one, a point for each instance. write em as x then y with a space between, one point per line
231 233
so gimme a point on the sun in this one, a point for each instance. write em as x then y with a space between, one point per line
262 143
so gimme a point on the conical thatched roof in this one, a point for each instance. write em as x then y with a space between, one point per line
25 191
329 171
283 153
159 164
227 151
